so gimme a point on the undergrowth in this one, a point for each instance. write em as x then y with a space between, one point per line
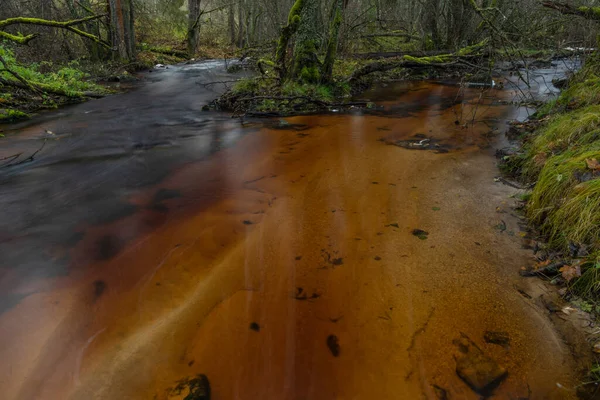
46 86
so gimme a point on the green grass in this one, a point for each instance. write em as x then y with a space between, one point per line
253 87
574 131
565 201
588 285
563 204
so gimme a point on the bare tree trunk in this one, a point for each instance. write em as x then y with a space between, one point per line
431 15
231 22
193 34
122 31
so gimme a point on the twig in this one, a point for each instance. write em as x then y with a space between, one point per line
28 159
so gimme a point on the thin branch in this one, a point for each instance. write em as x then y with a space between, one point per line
592 13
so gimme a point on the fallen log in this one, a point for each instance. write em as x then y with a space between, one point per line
592 13
441 61
394 54
40 87
289 100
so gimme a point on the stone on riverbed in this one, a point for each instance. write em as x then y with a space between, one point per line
497 337
479 371
191 388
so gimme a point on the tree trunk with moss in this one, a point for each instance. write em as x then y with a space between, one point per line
122 32
284 39
306 65
193 34
332 44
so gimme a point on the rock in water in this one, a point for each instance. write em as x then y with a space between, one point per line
199 388
497 337
479 371
440 393
334 345
191 388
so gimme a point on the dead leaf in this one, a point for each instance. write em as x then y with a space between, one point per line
540 159
593 164
570 272
542 264
568 310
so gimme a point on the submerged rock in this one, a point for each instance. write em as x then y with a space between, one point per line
479 371
192 388
334 345
440 393
497 337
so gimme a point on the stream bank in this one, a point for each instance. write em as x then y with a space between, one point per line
557 160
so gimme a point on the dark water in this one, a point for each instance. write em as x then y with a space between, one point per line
149 242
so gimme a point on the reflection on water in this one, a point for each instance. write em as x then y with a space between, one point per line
154 248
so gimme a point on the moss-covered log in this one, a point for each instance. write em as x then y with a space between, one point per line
592 13
68 25
441 61
169 52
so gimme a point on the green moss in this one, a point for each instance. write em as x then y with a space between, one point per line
577 129
69 80
294 15
11 115
310 74
246 86
593 12
428 60
564 203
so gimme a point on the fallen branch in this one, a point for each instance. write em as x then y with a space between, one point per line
442 61
321 104
28 159
382 66
402 35
305 98
592 13
16 75
68 25
41 87
550 269
169 52
394 54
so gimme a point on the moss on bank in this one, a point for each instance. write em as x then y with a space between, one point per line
562 157
11 115
27 88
